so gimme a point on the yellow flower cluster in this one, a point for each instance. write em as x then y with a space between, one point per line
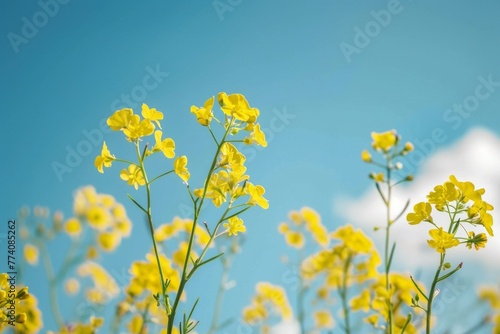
386 143
230 182
355 249
94 324
401 295
464 204
304 219
104 286
491 295
139 302
103 214
18 308
181 229
269 299
135 128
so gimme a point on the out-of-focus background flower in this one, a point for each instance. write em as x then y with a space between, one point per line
324 74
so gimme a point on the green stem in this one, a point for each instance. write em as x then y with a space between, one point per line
226 264
150 219
54 304
387 237
184 275
432 295
343 295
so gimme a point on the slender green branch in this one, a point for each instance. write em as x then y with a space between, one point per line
432 294
184 275
161 175
150 223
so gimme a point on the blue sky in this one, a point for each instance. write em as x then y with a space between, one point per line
318 101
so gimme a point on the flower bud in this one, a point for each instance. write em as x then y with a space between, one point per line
366 156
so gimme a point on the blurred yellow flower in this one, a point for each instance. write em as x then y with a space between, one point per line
323 319
73 227
366 156
72 286
384 141
97 217
108 241
31 254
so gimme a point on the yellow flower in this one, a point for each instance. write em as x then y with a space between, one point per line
235 105
366 156
204 114
120 119
152 114
234 225
167 146
361 302
295 239
421 212
257 136
73 227
180 168
256 195
323 319
31 254
442 195
479 241
408 148
133 176
467 189
442 240
479 212
72 286
105 285
92 253
138 128
231 158
108 241
104 160
384 141
378 177
98 218
179 256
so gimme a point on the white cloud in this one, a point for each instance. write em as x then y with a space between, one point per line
475 158
288 327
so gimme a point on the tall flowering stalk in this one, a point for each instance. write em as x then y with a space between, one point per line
465 209
226 185
388 145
